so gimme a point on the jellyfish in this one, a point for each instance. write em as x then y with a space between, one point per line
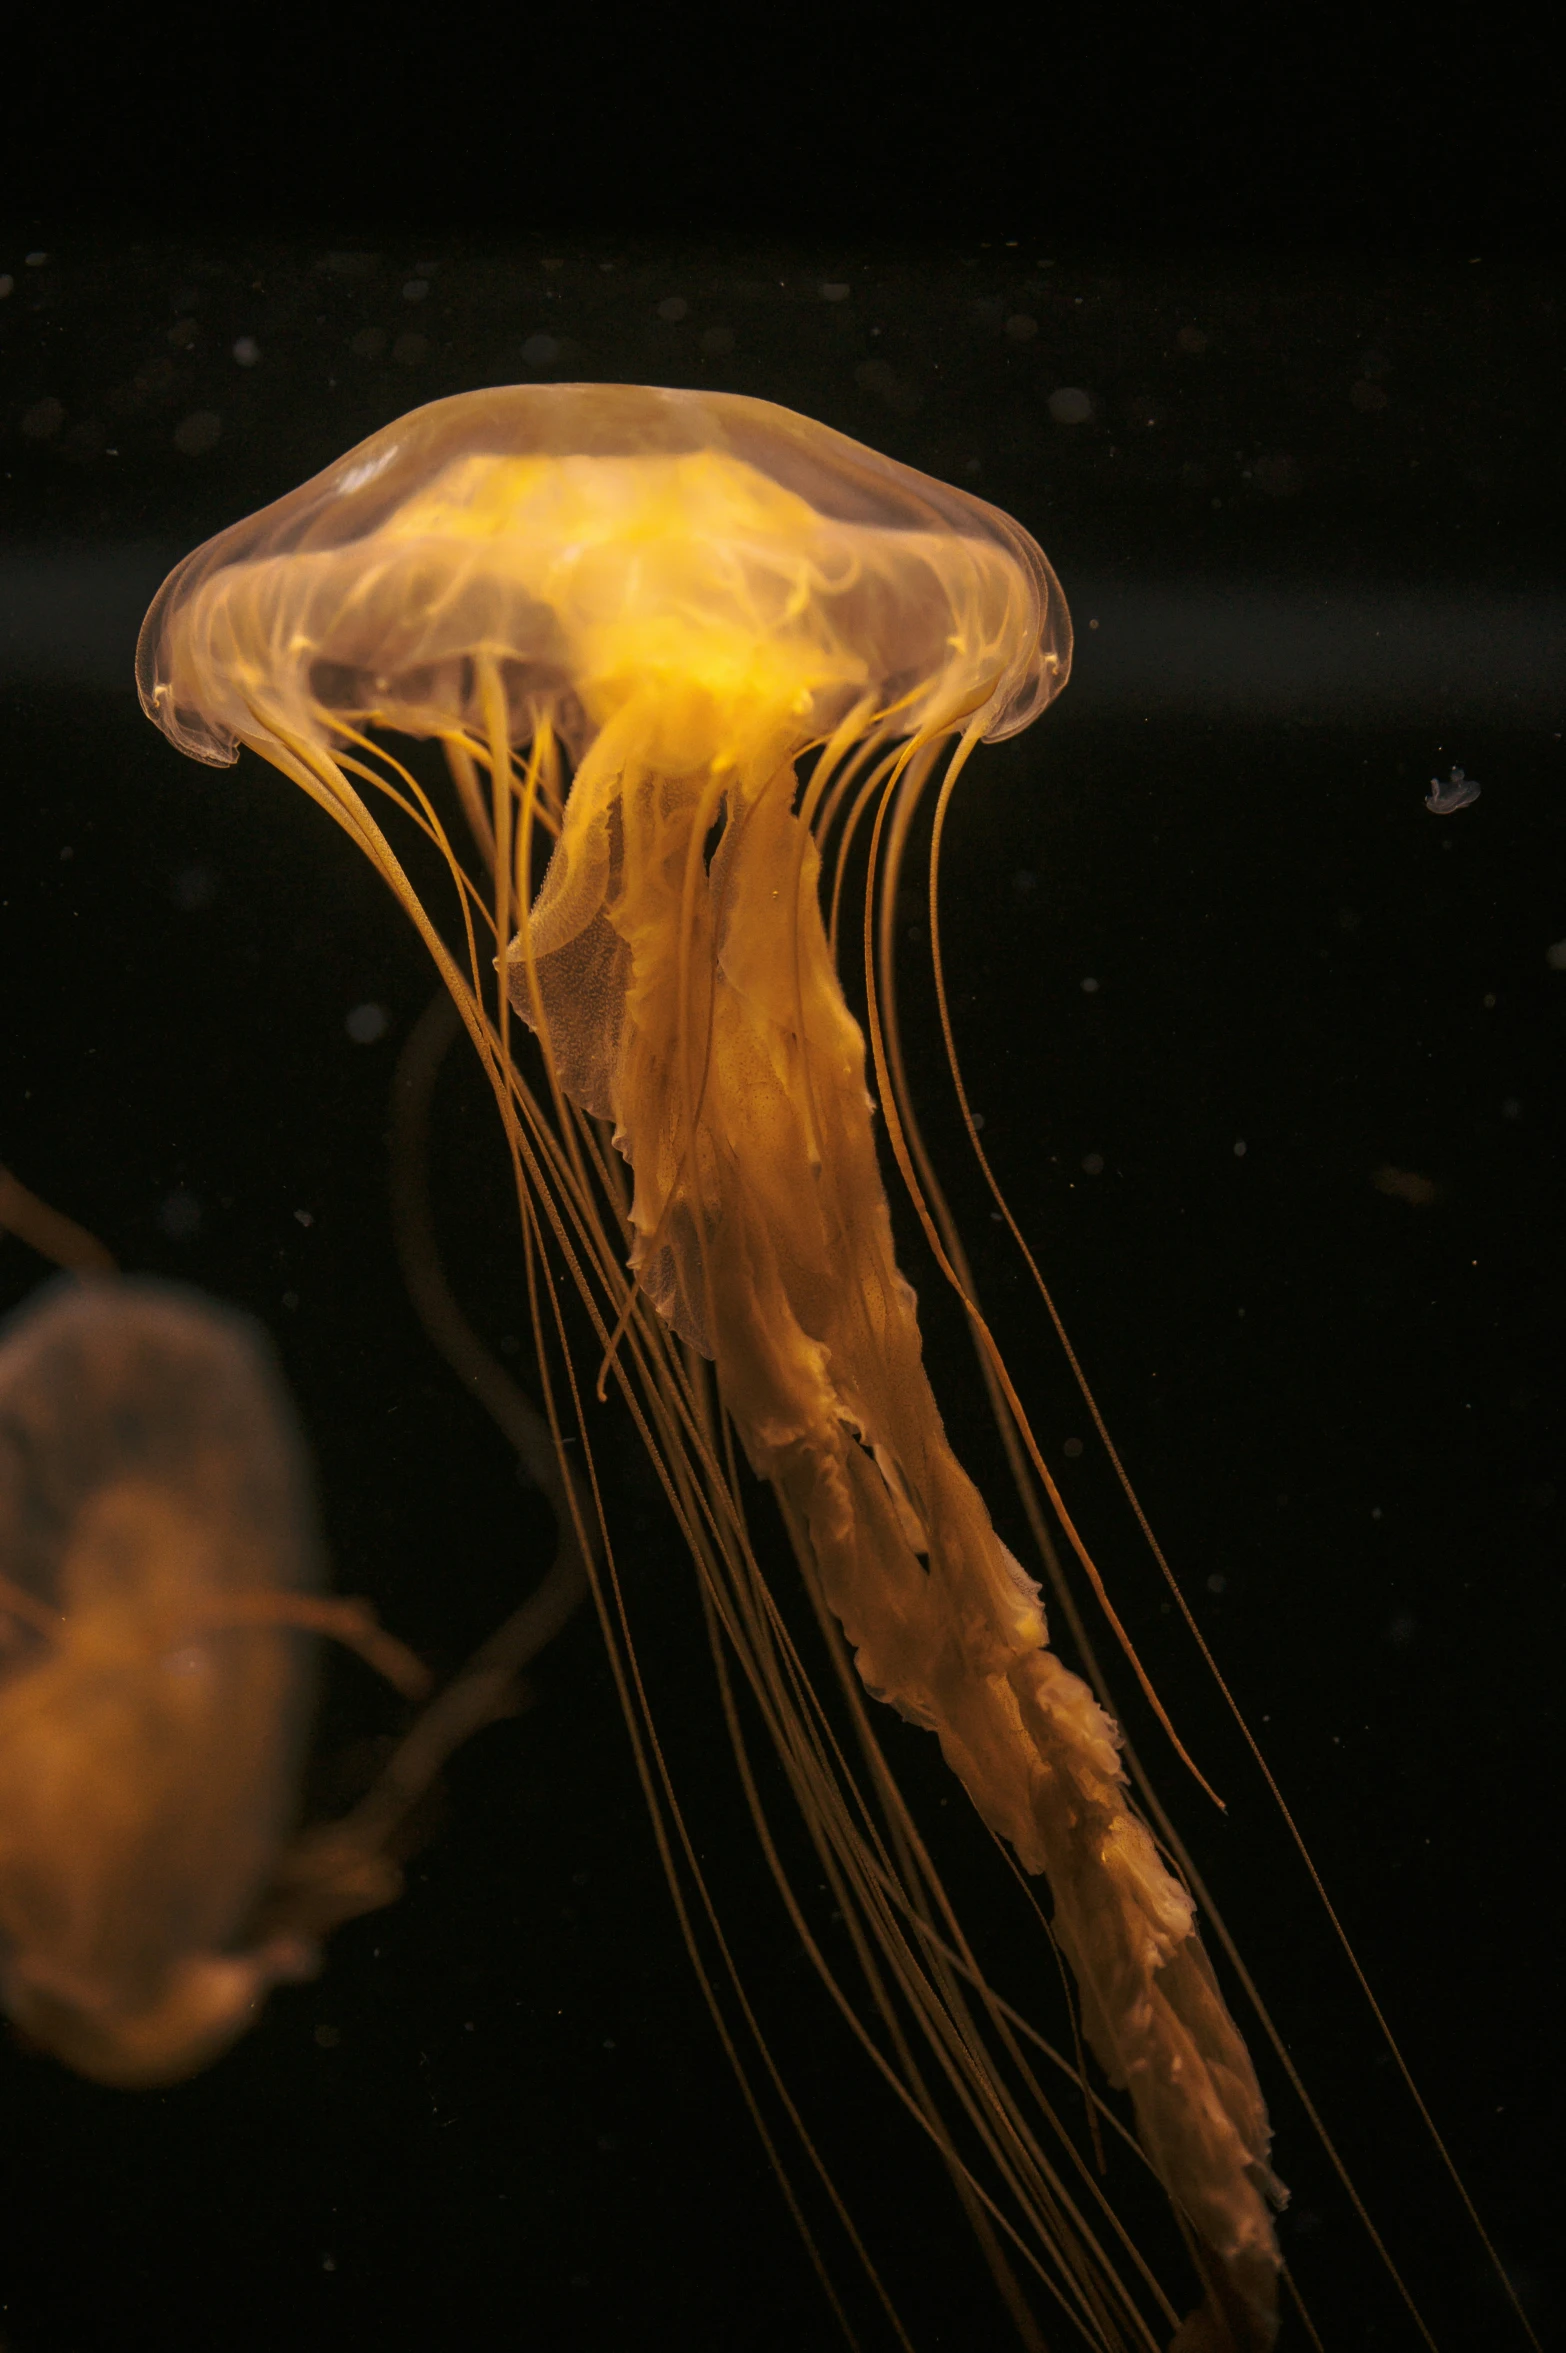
159 1560
687 658
1458 792
156 1538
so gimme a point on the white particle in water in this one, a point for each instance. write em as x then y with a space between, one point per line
366 1023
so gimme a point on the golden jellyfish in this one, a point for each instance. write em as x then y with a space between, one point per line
696 649
159 1562
157 1547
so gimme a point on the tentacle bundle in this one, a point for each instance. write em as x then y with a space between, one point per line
723 1049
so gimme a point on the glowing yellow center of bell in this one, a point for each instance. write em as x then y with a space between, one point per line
681 584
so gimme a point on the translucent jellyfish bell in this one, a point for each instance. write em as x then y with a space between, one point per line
539 526
154 1515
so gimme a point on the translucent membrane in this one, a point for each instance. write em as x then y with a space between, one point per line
154 1517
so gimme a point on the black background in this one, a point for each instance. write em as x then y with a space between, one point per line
1309 285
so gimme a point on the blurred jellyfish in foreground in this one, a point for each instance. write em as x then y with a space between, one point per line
159 1566
156 1535
699 648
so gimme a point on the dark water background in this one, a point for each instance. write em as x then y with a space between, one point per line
1293 1164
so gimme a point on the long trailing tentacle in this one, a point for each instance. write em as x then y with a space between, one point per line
342 1868
1148 1793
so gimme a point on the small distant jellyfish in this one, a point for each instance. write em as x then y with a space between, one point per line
1457 792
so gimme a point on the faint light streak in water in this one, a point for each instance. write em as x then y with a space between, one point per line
71 613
